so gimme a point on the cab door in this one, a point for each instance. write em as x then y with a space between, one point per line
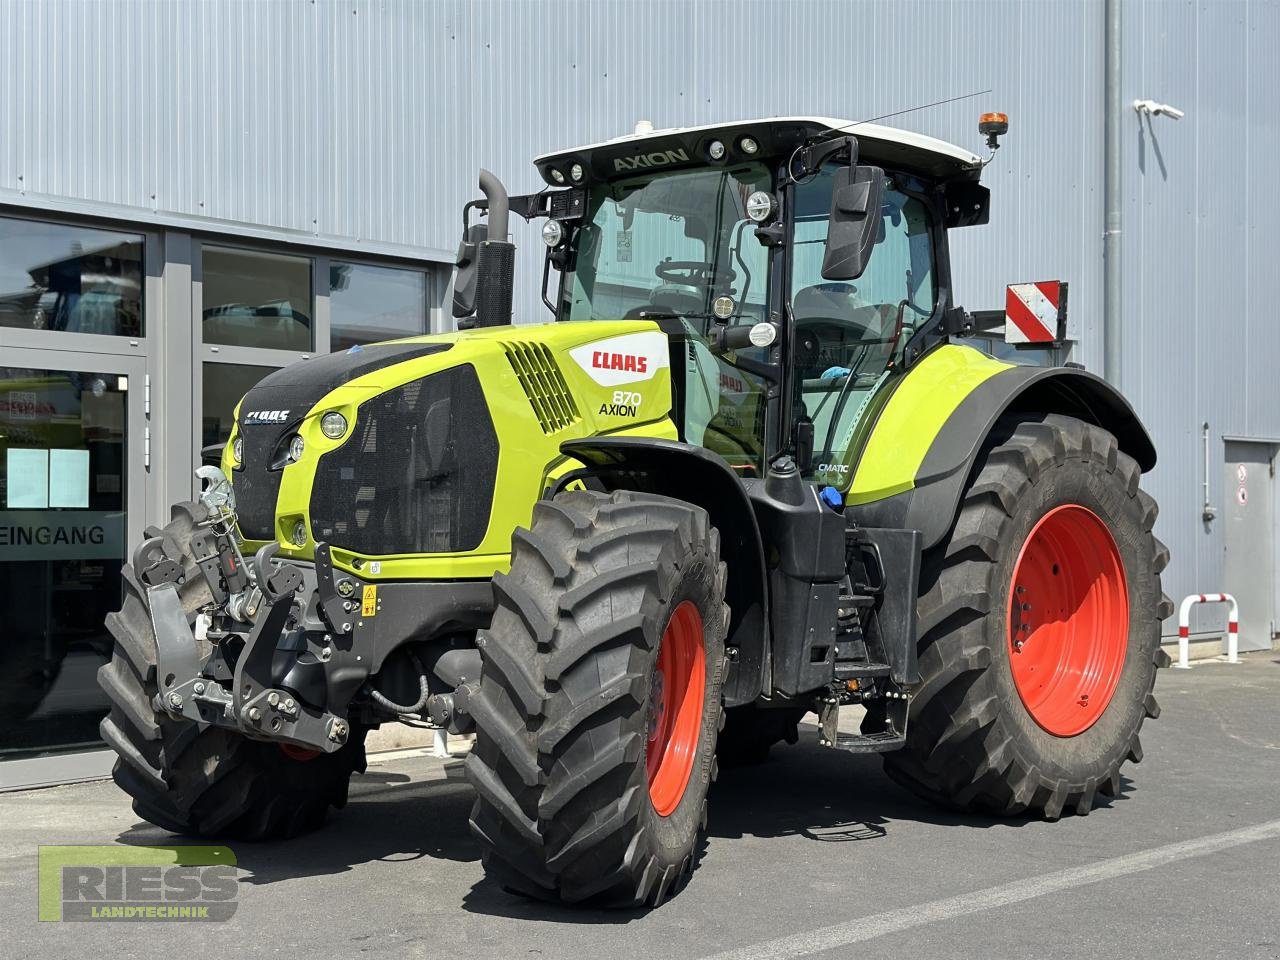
850 336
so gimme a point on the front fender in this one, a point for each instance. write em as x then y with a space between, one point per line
696 475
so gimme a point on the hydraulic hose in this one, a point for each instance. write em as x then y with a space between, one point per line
423 692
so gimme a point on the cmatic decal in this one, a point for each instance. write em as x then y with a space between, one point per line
629 358
1031 311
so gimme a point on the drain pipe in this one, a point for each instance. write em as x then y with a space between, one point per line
1112 111
1207 513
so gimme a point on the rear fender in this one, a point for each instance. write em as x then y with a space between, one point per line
930 505
698 476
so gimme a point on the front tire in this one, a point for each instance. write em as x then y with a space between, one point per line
600 700
1039 625
210 783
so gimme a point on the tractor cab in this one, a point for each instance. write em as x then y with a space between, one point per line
798 264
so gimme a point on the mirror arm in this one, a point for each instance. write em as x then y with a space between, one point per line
839 149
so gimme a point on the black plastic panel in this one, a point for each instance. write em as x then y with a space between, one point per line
416 475
292 391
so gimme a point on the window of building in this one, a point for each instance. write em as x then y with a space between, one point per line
59 277
223 386
63 486
368 304
256 299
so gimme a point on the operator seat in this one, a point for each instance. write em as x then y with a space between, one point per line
670 298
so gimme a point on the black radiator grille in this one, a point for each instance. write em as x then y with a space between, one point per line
294 390
416 475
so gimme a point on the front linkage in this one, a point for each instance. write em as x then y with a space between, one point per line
279 650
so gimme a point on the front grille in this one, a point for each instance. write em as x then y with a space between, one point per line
256 485
295 389
544 385
416 475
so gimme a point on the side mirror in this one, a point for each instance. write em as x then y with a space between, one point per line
468 271
856 196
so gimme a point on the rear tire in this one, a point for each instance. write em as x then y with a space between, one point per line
604 589
984 734
211 783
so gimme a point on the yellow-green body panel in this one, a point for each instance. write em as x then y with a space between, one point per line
529 457
917 405
913 416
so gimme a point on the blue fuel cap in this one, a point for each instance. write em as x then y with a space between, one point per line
831 497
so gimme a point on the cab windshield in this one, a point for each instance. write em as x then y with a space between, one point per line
670 244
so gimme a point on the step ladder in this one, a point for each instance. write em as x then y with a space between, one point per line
893 737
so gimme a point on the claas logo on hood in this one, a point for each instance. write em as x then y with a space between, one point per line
265 416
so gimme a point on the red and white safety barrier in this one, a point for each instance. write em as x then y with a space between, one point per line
1184 626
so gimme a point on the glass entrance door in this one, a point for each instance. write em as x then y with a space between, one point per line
72 473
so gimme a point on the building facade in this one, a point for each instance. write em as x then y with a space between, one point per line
194 194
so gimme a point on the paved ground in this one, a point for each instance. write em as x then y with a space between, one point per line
813 853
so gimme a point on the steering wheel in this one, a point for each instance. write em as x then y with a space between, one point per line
693 273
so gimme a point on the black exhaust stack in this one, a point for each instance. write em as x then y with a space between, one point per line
495 259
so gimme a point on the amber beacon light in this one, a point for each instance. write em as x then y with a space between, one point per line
993 126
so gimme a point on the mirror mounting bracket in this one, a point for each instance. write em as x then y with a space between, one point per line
838 149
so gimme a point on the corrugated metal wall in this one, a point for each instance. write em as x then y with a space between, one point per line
1201 340
363 123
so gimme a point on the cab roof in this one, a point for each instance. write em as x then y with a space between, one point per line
647 149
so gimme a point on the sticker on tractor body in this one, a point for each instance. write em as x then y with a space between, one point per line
1035 312
630 358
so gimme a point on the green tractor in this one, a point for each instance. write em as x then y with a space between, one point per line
752 471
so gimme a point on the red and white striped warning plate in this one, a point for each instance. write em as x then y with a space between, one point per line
1031 311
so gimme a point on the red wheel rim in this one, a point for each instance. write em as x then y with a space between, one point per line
1068 620
295 752
676 694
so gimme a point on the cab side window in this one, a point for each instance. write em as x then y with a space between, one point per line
863 323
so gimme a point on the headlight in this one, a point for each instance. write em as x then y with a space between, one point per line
716 150
295 448
552 233
299 534
333 425
576 173
556 175
749 146
760 206
237 451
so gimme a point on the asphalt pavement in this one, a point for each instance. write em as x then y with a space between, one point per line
814 853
